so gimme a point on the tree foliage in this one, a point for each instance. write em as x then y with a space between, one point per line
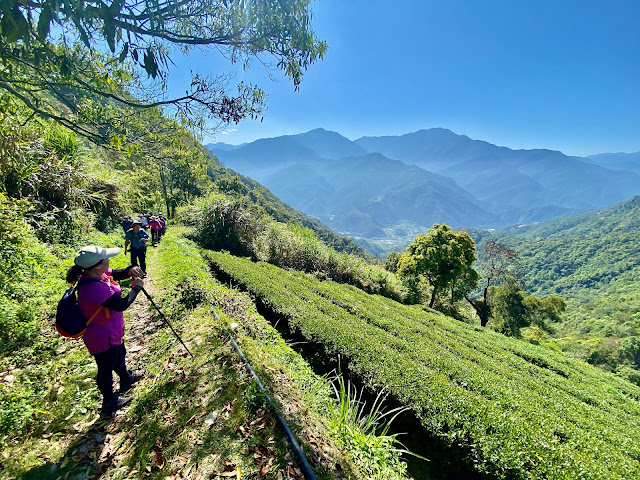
100 51
512 309
444 259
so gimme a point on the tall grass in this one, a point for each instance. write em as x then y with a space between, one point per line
223 223
364 431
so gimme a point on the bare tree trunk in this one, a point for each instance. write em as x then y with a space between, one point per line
163 182
433 298
482 309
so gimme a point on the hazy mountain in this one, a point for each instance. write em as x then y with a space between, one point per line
328 144
617 161
326 175
225 147
406 183
267 155
367 194
519 185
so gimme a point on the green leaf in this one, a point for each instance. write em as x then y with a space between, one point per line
44 22
108 29
14 26
124 52
150 64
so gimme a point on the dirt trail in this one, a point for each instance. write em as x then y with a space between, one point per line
141 322
140 325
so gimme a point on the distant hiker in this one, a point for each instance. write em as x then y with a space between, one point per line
163 219
126 223
144 220
104 335
156 229
138 238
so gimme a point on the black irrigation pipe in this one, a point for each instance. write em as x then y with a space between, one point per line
304 463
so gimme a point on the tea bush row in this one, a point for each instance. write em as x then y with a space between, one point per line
516 410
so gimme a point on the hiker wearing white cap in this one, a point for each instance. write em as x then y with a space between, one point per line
100 297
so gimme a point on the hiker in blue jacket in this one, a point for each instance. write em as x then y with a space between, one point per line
138 238
126 223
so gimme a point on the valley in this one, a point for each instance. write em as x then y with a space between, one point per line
381 190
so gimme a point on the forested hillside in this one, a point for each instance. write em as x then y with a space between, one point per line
593 261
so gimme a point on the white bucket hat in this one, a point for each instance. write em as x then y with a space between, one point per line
91 255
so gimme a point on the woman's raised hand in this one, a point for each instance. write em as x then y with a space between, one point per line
135 272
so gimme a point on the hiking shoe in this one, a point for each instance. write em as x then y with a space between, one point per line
134 377
112 405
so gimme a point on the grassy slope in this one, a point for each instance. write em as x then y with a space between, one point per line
512 409
188 417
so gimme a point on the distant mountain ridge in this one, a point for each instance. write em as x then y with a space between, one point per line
390 188
618 161
511 181
356 193
366 195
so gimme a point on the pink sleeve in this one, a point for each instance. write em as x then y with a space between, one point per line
95 293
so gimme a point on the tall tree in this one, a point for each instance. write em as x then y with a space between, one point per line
497 262
101 49
444 259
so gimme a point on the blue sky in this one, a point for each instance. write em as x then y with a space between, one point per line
560 74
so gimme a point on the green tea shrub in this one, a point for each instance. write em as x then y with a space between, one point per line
510 409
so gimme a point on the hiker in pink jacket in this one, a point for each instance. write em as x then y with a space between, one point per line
156 228
101 297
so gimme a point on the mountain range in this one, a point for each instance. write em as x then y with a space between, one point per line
388 189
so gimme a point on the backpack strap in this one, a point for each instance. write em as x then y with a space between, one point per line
96 313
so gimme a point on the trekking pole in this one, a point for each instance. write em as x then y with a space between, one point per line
166 321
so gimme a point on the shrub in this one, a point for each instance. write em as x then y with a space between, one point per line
222 223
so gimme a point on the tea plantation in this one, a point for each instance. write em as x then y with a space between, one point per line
515 410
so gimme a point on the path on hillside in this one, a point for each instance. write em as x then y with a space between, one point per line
105 448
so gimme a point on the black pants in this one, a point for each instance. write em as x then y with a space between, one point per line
139 253
112 360
155 236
